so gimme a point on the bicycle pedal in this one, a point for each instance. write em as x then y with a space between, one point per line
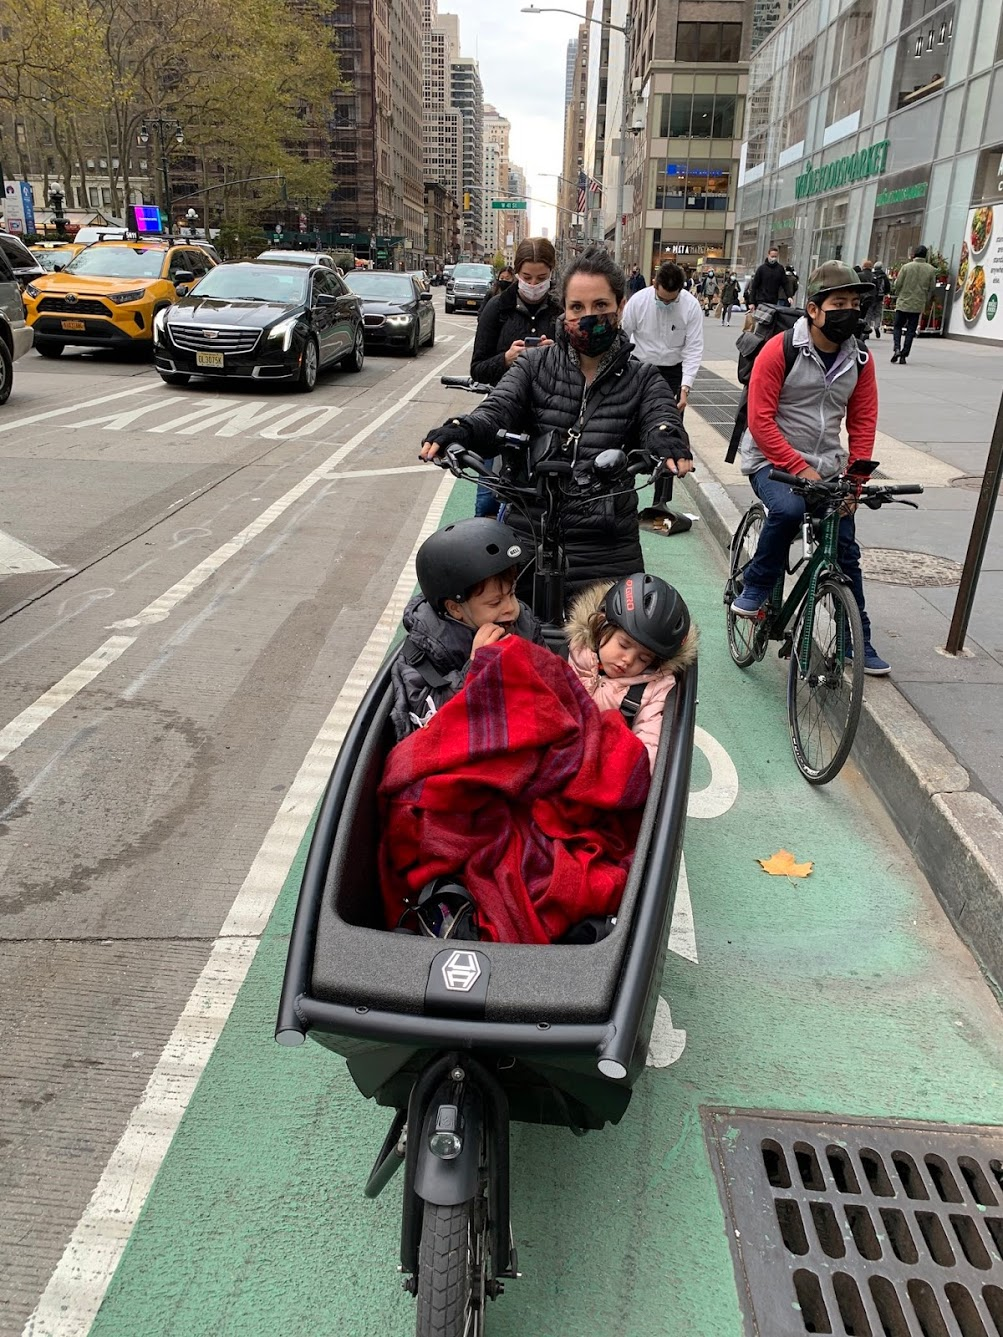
786 648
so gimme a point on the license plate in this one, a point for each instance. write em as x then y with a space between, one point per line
471 301
208 359
73 325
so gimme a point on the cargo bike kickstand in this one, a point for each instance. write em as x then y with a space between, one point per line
458 1039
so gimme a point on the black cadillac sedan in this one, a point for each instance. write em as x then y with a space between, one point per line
397 311
261 320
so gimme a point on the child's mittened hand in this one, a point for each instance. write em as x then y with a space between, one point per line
487 635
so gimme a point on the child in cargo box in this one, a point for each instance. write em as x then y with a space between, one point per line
467 573
627 641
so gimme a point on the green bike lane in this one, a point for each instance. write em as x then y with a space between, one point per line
846 993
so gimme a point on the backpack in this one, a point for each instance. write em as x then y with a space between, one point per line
770 321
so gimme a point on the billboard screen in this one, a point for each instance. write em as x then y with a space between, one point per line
144 218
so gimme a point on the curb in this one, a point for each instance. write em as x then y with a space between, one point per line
954 833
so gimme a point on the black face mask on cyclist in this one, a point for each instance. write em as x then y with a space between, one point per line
593 335
838 326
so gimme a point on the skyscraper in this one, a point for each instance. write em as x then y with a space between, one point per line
468 99
569 71
496 169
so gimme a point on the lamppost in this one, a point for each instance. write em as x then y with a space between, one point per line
56 198
162 126
626 28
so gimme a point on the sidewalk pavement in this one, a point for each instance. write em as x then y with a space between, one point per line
931 736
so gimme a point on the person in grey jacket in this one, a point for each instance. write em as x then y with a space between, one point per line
913 289
586 383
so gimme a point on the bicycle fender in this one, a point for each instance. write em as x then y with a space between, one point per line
449 1183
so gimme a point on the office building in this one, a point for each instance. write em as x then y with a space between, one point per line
467 94
569 219
495 179
872 131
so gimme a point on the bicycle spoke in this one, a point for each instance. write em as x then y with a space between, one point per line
823 700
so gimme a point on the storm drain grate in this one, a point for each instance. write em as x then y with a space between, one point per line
862 1229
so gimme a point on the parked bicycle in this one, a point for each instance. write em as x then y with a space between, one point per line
817 624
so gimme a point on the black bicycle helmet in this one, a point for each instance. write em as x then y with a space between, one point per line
455 559
649 610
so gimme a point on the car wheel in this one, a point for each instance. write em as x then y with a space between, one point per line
449 309
49 347
309 365
357 357
175 377
6 372
415 343
431 337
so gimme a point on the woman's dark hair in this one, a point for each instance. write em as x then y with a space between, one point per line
535 251
600 264
670 277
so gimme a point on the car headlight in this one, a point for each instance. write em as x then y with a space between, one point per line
133 295
399 320
32 291
284 330
160 323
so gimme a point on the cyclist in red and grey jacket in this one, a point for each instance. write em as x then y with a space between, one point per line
794 425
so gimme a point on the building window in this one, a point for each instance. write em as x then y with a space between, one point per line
704 42
698 116
795 124
693 186
849 71
921 59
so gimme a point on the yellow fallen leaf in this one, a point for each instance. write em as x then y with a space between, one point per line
783 864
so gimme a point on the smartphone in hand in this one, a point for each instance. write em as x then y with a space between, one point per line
533 341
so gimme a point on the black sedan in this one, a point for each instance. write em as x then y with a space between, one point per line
261 320
397 312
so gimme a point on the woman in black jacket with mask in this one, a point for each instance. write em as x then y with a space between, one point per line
586 381
526 309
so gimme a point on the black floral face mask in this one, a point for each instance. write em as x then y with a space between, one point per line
591 336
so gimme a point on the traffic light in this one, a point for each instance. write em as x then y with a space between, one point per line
466 201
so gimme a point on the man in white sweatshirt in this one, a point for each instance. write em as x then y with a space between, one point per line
665 324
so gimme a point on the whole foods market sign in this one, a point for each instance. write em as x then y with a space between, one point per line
842 171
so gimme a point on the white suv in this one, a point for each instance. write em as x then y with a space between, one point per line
15 335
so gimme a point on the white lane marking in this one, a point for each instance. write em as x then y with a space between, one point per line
34 716
119 419
717 797
164 605
77 1286
74 408
380 473
666 1044
16 558
682 932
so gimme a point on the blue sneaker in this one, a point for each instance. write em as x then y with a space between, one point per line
749 602
874 665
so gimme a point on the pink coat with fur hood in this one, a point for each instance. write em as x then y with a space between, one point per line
609 694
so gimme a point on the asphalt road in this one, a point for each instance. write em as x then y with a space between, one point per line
211 561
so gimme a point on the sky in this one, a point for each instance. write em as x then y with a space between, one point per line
522 61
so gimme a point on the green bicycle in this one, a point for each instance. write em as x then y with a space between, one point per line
818 623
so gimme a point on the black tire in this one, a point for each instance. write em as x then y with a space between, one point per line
175 377
447 1306
49 347
415 341
356 359
747 640
823 708
6 372
309 367
431 337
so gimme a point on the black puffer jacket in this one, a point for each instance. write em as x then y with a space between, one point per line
503 320
627 406
442 647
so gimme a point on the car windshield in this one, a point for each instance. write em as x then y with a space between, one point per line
254 283
119 262
389 287
50 259
473 272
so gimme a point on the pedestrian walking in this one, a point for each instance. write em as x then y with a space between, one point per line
769 283
872 272
666 328
636 281
708 291
729 297
791 283
913 289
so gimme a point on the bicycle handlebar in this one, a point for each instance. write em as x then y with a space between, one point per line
466 383
843 484
903 489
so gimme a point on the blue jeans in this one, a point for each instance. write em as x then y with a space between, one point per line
786 513
486 502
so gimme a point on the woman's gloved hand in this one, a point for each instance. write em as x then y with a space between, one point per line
451 433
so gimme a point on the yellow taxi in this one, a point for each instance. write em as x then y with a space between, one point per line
109 293
54 254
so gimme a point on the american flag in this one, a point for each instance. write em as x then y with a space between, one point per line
582 189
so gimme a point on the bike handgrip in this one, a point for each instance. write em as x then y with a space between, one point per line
906 490
792 480
456 382
465 459
513 438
